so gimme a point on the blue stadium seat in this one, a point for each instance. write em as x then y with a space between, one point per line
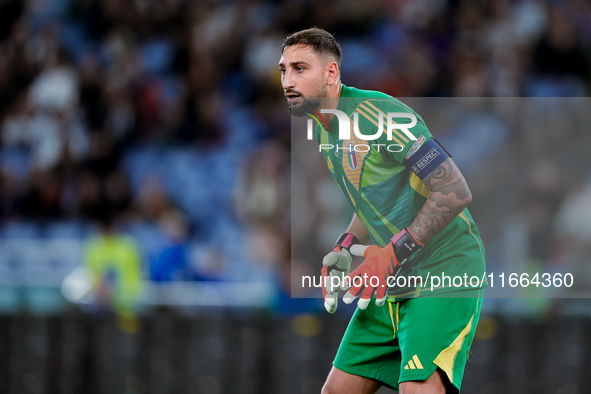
15 160
65 229
73 39
20 230
156 55
9 274
139 163
147 236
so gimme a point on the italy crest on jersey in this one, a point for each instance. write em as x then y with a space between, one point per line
352 160
352 156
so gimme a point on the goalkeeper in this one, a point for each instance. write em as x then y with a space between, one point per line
410 201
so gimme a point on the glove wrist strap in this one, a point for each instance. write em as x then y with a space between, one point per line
405 245
346 240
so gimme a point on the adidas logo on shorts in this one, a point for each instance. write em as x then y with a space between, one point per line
414 363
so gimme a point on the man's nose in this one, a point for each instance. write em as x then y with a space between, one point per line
287 80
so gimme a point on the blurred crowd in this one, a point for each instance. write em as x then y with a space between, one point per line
165 121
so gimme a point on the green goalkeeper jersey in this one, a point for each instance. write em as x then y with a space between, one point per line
387 195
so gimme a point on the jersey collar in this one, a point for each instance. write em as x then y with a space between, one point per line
341 106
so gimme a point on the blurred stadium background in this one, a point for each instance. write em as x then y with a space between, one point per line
149 141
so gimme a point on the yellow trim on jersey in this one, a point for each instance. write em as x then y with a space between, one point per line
417 184
399 133
399 104
446 359
352 199
376 123
329 162
392 318
316 119
463 216
406 108
417 292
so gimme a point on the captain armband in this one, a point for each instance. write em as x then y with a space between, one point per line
427 158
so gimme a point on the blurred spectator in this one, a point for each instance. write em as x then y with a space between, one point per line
117 193
573 221
559 57
152 200
170 261
573 235
10 12
103 158
262 194
56 87
89 195
33 130
10 197
43 195
212 265
113 262
542 200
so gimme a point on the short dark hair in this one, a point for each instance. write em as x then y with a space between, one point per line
321 41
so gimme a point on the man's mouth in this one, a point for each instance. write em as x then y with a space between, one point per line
291 97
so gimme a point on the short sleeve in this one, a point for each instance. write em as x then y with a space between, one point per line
404 140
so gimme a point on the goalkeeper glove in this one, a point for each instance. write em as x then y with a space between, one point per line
336 264
379 264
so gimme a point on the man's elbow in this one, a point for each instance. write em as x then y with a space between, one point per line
462 196
456 197
467 200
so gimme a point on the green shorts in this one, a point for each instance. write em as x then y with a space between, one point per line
408 340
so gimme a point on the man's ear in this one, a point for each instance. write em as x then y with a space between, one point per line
332 69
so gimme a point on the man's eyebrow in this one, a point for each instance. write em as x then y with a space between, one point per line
294 63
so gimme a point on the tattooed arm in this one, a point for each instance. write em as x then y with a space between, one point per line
449 196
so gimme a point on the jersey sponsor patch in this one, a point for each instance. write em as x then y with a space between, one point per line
415 147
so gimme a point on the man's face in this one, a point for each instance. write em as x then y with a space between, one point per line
303 76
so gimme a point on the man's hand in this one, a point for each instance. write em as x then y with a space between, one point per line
335 267
379 264
372 276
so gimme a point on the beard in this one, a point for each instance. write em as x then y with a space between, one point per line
302 105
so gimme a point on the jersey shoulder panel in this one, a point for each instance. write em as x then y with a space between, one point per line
372 105
349 91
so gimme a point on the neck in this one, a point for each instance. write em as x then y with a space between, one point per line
335 90
334 94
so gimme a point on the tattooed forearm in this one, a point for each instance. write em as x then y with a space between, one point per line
449 196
